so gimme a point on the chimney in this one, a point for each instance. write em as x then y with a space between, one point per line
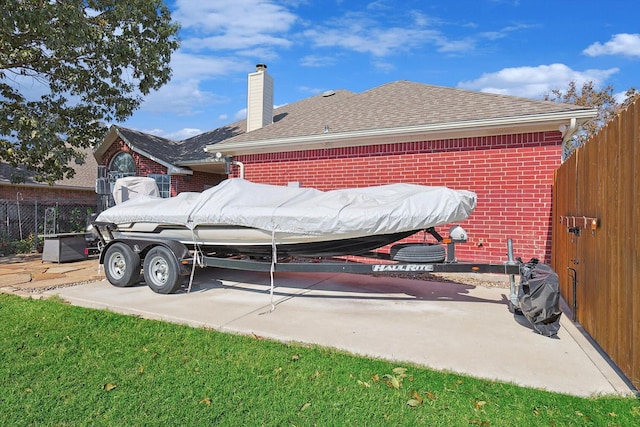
259 99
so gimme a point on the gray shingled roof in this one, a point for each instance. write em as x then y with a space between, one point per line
192 149
85 176
161 148
400 104
393 105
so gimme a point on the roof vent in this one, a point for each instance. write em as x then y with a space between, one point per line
328 93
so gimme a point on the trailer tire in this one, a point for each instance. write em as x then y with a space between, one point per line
162 271
121 265
418 252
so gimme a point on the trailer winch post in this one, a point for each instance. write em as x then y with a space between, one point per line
513 296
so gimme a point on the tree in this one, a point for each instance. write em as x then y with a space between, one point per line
631 95
67 67
604 100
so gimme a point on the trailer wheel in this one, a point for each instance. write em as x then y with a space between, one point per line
121 265
418 252
162 271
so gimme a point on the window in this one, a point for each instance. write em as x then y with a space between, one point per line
122 164
163 182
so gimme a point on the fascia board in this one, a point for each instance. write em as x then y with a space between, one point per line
485 127
207 165
103 146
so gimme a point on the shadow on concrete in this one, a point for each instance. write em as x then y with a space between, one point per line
335 286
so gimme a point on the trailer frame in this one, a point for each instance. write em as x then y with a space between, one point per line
173 261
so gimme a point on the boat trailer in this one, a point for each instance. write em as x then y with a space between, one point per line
166 264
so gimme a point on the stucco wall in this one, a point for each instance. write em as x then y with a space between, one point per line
511 174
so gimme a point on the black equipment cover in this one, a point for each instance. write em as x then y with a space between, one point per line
539 297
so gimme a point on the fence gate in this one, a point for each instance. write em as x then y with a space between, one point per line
596 238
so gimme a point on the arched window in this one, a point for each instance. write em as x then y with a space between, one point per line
122 164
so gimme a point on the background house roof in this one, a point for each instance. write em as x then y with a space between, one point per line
85 177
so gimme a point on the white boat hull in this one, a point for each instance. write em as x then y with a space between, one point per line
253 241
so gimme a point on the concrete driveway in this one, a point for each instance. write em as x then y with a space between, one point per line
448 326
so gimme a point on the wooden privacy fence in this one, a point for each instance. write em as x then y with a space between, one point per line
596 236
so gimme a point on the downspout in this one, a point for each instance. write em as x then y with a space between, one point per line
240 166
569 131
567 135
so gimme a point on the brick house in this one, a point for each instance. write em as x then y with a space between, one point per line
23 205
80 187
504 148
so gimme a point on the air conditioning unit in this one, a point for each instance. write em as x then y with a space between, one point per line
103 187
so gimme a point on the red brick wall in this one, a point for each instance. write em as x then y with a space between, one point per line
10 192
199 181
511 174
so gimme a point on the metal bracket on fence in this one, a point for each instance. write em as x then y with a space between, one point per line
574 230
575 224
574 282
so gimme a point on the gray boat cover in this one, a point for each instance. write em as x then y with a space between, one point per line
132 187
371 210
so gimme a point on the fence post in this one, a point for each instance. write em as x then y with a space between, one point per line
36 239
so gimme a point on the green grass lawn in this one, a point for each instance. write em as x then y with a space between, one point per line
69 366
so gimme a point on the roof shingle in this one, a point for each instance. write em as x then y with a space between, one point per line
393 105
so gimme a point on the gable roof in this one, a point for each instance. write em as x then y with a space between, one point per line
400 111
84 179
283 118
161 150
410 111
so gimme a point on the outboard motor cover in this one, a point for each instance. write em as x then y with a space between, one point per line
539 297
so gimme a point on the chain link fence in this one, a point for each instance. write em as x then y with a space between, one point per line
24 223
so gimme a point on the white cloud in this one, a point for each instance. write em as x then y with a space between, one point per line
234 24
452 46
317 61
383 66
504 32
184 134
178 135
182 98
187 66
371 33
311 90
234 42
620 44
361 32
248 29
534 82
620 97
377 41
184 95
240 114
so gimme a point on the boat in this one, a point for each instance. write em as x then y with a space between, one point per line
242 217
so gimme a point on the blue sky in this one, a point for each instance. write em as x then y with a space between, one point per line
514 47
